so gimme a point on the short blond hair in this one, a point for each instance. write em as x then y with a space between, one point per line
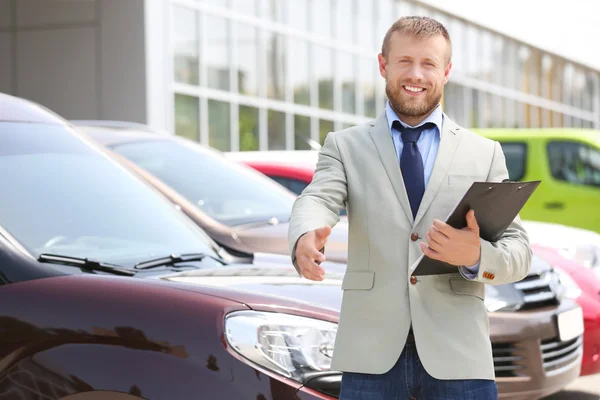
421 27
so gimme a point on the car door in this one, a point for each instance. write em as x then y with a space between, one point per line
574 171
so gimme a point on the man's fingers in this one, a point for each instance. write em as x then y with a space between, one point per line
317 255
310 270
433 244
438 236
443 227
472 221
429 252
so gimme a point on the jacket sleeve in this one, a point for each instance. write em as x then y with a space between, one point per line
323 199
509 258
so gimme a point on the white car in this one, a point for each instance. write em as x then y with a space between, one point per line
576 244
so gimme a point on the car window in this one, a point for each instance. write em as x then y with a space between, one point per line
516 156
61 196
227 191
574 162
293 185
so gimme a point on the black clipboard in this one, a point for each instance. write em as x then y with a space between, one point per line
496 205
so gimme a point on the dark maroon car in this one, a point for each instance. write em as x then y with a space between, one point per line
108 291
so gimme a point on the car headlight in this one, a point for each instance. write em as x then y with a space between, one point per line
287 344
501 298
568 288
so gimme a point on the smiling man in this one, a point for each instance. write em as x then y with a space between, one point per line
404 336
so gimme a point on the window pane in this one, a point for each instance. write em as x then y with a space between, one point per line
247 60
185 45
248 123
276 130
298 14
323 66
247 7
366 24
320 21
325 127
299 71
217 49
275 52
347 17
187 116
216 3
302 138
218 125
368 71
346 68
274 10
515 154
575 163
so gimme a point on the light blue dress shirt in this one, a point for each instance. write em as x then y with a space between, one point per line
428 144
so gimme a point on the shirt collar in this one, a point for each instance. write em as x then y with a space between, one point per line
436 116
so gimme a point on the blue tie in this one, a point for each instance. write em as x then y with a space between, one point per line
411 164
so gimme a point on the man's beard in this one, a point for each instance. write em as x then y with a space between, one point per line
409 108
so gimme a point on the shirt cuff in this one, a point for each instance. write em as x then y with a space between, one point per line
470 272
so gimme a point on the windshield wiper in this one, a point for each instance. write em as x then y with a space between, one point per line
174 259
85 263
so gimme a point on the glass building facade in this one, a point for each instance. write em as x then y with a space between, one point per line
281 74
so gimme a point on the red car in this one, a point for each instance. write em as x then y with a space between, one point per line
294 170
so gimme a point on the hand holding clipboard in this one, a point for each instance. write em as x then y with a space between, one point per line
496 205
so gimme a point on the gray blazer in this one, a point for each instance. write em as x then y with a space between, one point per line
358 168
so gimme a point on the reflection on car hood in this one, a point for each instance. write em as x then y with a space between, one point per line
270 282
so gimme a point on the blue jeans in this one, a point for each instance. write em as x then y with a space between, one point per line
408 380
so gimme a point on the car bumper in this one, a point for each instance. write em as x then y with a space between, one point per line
591 337
529 358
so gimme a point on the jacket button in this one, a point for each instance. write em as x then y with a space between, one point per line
413 280
414 237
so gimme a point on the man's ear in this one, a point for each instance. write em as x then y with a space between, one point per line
382 65
447 72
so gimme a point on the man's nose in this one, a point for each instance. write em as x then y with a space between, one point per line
415 72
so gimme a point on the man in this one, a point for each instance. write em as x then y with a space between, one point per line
404 336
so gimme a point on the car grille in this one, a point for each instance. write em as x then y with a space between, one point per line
537 291
556 355
507 361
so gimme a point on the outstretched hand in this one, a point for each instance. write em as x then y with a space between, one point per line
460 247
308 255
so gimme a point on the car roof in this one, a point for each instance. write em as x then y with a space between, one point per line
590 135
16 109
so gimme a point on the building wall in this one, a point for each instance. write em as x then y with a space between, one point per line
83 60
272 74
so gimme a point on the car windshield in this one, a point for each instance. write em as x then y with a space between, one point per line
60 196
231 193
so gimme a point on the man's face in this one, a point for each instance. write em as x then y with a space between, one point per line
416 71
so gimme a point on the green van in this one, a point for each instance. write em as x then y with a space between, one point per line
567 161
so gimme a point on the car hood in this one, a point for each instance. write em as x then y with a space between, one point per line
269 287
271 283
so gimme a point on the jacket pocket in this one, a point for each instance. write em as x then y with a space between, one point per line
358 279
463 286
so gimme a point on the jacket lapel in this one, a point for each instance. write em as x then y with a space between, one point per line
381 136
449 139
